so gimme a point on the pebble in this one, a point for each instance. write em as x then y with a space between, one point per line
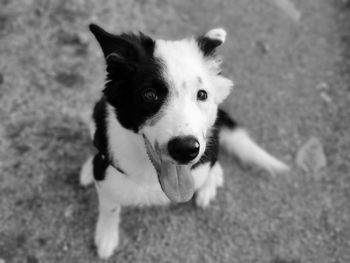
311 157
68 212
289 9
65 248
323 86
262 47
325 97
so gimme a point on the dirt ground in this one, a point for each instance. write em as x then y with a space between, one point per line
292 83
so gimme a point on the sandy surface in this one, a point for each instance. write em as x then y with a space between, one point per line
292 83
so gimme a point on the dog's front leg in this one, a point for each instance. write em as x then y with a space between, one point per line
107 228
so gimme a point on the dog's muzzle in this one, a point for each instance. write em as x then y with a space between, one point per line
175 180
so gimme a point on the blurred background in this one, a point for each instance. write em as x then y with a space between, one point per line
290 60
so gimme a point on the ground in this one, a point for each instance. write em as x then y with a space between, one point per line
292 83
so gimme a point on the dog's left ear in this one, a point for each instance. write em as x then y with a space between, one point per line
124 47
211 40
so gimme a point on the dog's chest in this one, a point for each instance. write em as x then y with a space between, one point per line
132 189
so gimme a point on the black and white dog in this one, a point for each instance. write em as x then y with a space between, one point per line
157 127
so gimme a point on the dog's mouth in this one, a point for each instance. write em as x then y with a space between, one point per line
175 180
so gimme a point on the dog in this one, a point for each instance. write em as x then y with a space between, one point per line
157 127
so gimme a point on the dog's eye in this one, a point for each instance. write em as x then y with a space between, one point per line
202 95
150 95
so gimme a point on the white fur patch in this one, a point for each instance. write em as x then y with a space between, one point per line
207 192
140 185
132 188
107 230
200 175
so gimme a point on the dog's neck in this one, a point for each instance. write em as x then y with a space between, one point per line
126 148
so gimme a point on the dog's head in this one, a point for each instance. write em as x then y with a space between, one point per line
168 92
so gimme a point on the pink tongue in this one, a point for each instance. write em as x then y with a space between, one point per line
176 181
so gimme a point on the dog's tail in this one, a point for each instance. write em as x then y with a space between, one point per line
235 140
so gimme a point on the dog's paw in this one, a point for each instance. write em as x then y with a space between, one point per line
205 195
86 173
208 191
218 174
106 242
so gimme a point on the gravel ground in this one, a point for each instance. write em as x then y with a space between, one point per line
292 78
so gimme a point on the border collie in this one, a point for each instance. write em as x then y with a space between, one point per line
157 127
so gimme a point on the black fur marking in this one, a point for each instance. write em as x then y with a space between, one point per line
100 118
127 98
123 45
100 165
224 120
208 45
100 161
212 150
131 69
100 137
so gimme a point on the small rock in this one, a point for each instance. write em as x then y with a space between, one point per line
288 7
69 79
325 97
262 47
84 37
323 86
65 248
311 157
42 241
2 260
68 212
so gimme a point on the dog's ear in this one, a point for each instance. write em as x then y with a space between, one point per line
125 50
211 40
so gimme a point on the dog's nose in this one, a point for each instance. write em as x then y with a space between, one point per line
183 149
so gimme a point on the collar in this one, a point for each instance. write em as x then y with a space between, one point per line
112 164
